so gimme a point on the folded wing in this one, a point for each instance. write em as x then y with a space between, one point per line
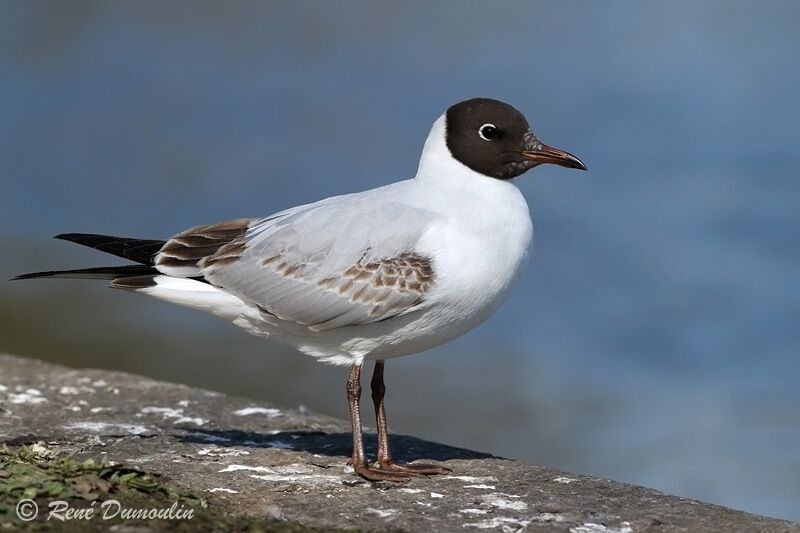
327 265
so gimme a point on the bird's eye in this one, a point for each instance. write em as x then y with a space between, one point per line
487 132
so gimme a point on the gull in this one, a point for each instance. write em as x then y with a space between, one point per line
368 276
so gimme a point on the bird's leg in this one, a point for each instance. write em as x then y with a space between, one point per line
360 464
384 456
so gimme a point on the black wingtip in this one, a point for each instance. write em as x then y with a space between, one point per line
134 282
32 275
71 237
79 238
111 273
138 250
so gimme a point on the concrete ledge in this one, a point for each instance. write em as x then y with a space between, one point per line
251 458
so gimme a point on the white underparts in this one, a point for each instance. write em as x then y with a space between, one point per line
196 295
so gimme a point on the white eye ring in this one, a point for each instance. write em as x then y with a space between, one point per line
487 132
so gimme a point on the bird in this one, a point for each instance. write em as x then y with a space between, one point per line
367 276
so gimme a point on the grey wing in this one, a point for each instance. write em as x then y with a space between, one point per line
324 266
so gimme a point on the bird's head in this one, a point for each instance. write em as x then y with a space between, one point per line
494 139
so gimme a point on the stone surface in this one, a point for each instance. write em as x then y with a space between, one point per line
252 458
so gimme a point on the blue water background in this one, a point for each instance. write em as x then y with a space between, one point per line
654 336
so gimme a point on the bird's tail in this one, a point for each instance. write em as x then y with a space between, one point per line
140 251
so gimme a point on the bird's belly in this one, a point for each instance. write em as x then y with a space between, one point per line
478 275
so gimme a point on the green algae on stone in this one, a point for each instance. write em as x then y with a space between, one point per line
36 473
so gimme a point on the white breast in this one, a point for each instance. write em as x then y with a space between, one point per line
478 250
481 241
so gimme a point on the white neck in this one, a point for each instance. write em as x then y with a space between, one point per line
439 169
485 224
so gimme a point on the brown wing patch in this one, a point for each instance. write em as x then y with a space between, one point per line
219 243
390 285
289 270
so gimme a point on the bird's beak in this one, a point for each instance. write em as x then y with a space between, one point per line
547 154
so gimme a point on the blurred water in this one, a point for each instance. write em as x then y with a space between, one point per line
654 336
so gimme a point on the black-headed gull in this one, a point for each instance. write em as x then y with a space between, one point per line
367 276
